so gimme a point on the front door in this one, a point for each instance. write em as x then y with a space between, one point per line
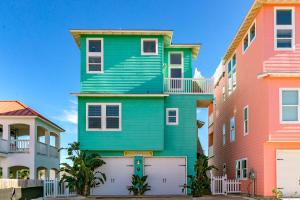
176 75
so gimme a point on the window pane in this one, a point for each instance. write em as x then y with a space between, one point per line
252 32
149 46
94 110
284 17
112 110
229 67
234 60
245 113
284 33
246 40
175 59
94 122
172 113
94 67
290 113
172 119
94 59
244 164
245 173
94 45
290 97
112 122
284 43
176 73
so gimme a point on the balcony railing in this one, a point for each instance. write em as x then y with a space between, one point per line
53 151
42 148
19 146
211 151
188 86
3 146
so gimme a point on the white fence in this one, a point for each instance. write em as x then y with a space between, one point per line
54 188
19 183
220 185
188 86
19 146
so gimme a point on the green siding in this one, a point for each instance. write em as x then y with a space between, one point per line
142 125
125 69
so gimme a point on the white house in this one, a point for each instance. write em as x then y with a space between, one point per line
29 141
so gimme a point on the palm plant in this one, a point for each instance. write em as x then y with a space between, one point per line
139 185
83 173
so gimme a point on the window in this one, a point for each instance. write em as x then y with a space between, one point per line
232 129
94 55
223 93
149 47
246 120
250 35
231 68
176 70
176 59
290 106
241 171
284 28
224 134
172 116
104 116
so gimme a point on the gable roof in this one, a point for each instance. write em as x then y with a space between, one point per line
255 8
16 108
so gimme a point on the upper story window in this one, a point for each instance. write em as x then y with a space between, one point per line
249 37
223 93
284 28
231 68
289 106
176 59
103 116
94 55
232 129
149 46
172 116
241 169
246 120
224 133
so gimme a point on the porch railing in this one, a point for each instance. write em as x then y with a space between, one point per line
53 151
188 86
19 146
42 148
19 183
3 146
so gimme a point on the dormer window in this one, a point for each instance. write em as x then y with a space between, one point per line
149 47
94 55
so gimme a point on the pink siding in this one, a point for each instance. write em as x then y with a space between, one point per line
262 97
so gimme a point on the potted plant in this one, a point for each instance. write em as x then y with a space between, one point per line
139 185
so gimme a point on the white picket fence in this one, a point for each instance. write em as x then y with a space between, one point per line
54 188
220 185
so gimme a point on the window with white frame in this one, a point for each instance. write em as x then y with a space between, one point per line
284 28
149 46
94 55
290 105
223 93
224 134
172 116
250 35
246 120
103 116
232 129
241 169
231 68
176 70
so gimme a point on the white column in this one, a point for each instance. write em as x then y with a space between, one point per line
5 131
47 141
5 172
32 173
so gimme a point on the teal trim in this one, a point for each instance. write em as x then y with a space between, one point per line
139 165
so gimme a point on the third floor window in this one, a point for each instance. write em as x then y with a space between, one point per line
94 55
231 68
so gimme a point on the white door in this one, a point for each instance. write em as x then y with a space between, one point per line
288 172
166 176
118 171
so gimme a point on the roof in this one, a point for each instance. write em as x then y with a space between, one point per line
168 34
16 108
255 8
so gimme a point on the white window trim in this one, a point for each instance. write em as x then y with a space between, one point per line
241 169
167 116
292 27
94 54
236 63
142 47
280 106
224 134
246 133
248 34
103 117
231 140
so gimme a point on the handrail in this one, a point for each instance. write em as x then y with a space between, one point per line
188 85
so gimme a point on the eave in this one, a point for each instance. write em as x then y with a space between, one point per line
195 48
117 95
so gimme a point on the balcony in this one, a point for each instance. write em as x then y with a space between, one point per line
47 150
3 146
20 146
188 86
53 152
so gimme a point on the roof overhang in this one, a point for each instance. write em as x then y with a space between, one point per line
117 95
76 33
195 48
279 74
247 22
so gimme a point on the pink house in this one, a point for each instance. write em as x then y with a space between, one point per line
254 122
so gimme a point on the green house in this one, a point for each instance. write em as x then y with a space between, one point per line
137 107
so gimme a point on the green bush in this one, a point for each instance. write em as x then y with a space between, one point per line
139 185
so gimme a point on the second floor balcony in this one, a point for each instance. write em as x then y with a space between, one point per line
188 86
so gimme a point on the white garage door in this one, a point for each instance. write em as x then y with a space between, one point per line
166 176
118 173
288 172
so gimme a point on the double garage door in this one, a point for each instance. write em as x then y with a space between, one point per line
288 172
166 175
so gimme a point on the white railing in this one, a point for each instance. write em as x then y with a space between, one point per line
19 183
188 86
3 146
210 119
55 188
222 185
53 152
211 151
42 148
19 146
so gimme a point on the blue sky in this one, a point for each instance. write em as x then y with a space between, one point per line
39 61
